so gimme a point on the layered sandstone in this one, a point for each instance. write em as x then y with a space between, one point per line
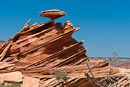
1 42
44 50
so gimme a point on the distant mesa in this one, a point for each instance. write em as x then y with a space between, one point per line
124 65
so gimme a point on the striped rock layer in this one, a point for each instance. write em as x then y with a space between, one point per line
43 47
46 49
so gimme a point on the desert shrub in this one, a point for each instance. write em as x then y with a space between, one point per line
11 85
60 76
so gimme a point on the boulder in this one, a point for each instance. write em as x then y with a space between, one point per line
12 77
30 82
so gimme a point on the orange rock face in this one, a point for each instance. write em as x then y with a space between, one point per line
46 49
1 43
44 46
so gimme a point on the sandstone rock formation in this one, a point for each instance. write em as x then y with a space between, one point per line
1 42
47 51
52 14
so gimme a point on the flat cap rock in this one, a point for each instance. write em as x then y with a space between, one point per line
52 14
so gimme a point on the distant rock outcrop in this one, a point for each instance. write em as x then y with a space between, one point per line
124 65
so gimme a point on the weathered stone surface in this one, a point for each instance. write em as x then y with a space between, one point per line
12 76
43 49
3 54
126 71
5 65
26 26
1 81
1 43
52 14
30 82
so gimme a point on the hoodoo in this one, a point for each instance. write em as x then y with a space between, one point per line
46 54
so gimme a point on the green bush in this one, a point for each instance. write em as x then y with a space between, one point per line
61 76
12 85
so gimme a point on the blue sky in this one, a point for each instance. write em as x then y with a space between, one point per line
105 24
